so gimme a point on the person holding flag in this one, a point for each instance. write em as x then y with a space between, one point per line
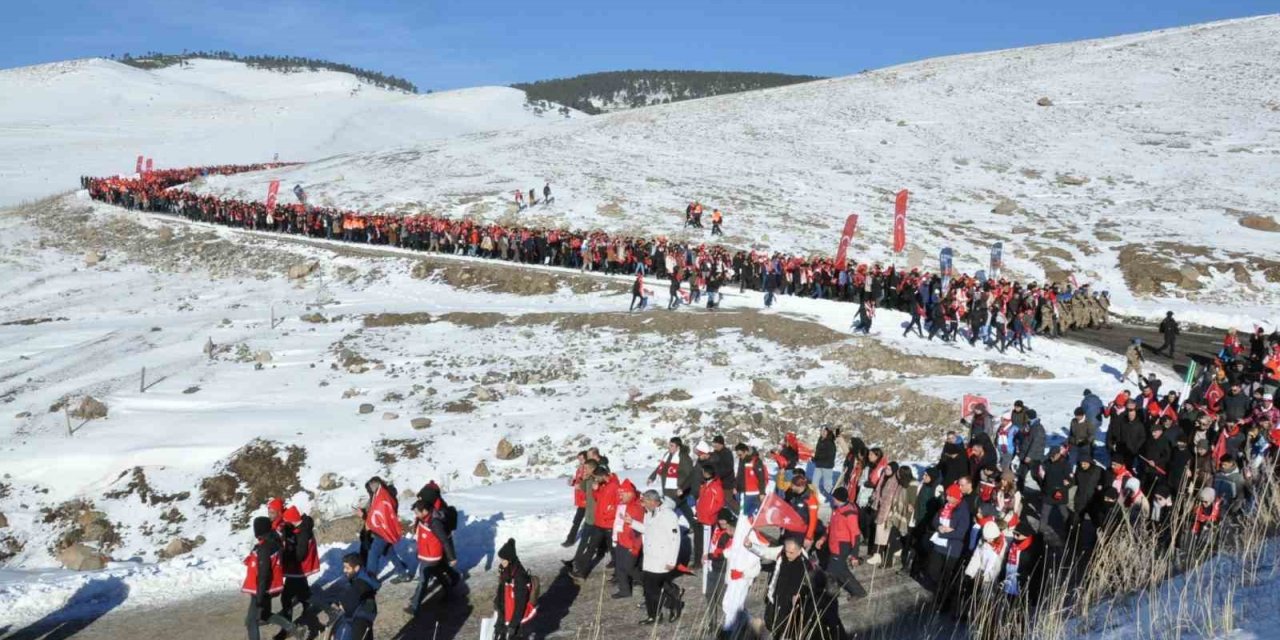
381 529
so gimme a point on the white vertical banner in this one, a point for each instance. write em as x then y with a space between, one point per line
487 625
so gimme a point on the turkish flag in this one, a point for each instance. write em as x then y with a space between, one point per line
969 402
150 164
775 512
272 190
900 222
804 451
850 228
138 167
1213 396
381 518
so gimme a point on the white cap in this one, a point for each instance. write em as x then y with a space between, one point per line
702 448
990 531
1132 485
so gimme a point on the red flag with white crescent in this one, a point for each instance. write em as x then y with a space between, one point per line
381 519
850 228
272 190
150 164
138 167
971 401
775 512
900 222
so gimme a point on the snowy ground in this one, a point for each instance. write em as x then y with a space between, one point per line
1176 134
104 114
552 372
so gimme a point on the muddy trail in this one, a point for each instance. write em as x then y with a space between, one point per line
565 610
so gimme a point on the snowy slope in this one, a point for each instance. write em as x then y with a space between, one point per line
1177 133
61 120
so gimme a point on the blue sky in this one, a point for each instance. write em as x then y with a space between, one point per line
443 44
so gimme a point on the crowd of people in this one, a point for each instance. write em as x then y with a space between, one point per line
999 313
1002 505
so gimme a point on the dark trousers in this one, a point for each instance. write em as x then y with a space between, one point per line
252 618
943 573
915 323
842 577
1169 342
577 523
626 570
296 590
660 591
592 542
699 532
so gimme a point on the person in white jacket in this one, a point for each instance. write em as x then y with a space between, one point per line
988 559
661 549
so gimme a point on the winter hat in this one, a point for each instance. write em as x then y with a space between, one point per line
1120 459
1024 529
1132 484
627 487
261 526
429 493
275 504
508 551
1031 414
702 448
953 491
840 494
292 515
1207 494
990 531
1088 392
727 515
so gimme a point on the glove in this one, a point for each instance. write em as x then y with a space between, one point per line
500 631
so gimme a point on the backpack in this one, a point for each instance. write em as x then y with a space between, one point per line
450 518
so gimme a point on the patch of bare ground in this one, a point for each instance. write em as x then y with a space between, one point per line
1018 371
903 421
388 451
864 354
1149 268
253 474
375 320
783 330
510 278
140 487
1260 223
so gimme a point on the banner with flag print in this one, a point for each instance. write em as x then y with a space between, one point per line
944 266
1189 380
272 190
381 518
138 166
900 221
969 402
150 164
850 228
997 261
775 512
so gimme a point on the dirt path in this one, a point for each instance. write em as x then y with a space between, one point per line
565 611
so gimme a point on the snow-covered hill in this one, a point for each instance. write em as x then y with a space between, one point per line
1155 153
62 120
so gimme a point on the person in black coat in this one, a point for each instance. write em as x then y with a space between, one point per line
954 465
1155 456
357 601
1055 480
724 462
512 604
1169 330
1126 432
1088 481
266 546
824 461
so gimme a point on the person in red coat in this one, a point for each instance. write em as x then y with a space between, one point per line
597 536
264 577
842 544
626 540
515 603
579 500
710 501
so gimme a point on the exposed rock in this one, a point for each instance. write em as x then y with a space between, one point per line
484 394
4 522
176 547
482 470
262 357
92 257
390 415
330 481
420 423
351 393
1260 223
314 318
302 270
1044 102
508 451
720 359
79 557
23 414
1005 207
762 389
191 390
421 271
459 406
90 408
366 408
1072 180
164 234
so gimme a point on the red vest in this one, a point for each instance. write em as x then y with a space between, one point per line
250 585
627 537
509 603
750 481
430 548
309 566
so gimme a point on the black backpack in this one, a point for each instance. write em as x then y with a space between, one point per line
450 518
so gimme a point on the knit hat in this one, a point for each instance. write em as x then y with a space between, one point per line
292 515
727 515
261 526
702 448
1024 528
275 504
990 531
1207 494
508 551
1110 493
953 491
840 494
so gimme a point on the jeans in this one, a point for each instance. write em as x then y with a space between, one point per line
251 618
380 551
751 504
426 571
825 480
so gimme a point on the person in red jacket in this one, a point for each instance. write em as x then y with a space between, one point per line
710 501
626 541
605 495
299 560
579 500
263 578
515 603
842 544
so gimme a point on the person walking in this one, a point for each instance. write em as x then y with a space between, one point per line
660 532
1169 329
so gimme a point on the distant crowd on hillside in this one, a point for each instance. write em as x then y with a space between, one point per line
951 307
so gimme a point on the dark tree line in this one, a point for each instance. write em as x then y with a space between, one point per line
643 88
283 64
